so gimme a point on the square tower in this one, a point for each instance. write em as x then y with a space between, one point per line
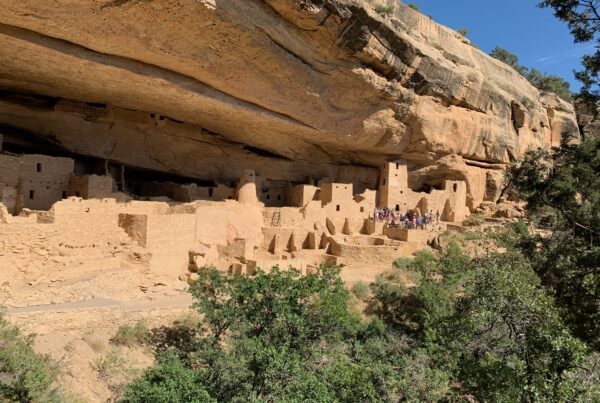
393 183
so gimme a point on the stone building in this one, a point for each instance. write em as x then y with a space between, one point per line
450 199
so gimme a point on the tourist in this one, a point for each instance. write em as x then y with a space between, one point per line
437 217
419 222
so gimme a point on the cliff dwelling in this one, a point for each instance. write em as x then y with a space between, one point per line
237 224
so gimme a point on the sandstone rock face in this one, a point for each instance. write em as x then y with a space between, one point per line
588 118
293 89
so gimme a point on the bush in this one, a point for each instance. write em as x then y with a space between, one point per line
24 375
169 382
130 336
361 290
474 220
414 7
387 11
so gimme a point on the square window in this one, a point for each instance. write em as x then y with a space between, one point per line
31 194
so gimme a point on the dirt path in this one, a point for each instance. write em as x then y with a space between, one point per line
178 301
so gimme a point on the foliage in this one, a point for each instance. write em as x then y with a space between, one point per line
542 81
128 335
583 19
565 185
387 11
508 337
474 220
24 375
508 58
463 31
550 83
414 7
169 382
478 329
528 103
361 290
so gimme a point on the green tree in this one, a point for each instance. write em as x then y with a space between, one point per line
169 382
511 342
486 325
550 83
463 31
541 81
414 7
583 19
470 327
509 58
562 189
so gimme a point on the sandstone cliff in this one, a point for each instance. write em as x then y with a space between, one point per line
295 89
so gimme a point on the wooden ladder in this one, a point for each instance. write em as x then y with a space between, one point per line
276 218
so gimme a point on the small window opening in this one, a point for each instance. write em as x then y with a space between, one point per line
31 194
278 197
384 181
337 208
268 197
210 192
397 166
362 209
38 167
77 194
64 194
455 187
397 207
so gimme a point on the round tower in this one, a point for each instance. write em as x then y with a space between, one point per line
246 188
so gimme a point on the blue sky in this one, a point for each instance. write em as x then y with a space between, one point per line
533 34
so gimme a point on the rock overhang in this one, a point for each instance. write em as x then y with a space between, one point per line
197 88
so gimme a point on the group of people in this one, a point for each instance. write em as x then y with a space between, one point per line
413 219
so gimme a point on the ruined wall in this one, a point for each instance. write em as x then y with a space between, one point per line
91 186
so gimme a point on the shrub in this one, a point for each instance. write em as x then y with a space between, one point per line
111 365
414 7
474 220
116 370
128 335
169 382
24 375
463 31
387 11
528 103
361 290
